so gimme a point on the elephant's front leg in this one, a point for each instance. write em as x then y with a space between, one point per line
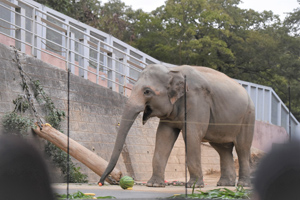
165 139
193 145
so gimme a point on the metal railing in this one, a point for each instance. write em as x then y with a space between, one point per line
92 54
269 107
68 44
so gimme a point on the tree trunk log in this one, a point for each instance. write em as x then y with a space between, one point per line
79 152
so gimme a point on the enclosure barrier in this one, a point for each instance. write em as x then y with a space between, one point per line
101 58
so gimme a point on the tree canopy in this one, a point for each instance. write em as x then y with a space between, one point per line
243 43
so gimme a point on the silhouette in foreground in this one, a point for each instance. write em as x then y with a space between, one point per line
278 175
23 172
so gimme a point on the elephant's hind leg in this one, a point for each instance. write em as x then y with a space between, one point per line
228 175
243 149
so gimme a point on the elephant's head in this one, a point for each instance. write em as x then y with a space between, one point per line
155 93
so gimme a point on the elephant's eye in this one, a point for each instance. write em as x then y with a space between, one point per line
147 92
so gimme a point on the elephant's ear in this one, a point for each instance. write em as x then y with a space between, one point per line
176 86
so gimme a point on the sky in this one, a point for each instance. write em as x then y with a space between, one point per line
280 7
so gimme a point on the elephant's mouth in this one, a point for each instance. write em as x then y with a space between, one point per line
147 113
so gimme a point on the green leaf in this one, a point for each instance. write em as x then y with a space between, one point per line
106 197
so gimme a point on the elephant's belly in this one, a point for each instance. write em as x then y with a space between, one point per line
221 133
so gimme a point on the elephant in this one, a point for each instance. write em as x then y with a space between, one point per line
218 111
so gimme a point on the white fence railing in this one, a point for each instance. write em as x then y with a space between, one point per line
92 54
66 43
269 107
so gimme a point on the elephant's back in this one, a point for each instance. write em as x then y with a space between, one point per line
211 74
216 80
228 97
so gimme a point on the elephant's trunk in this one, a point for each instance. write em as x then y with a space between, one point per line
129 115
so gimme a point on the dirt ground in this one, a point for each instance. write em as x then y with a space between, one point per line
139 190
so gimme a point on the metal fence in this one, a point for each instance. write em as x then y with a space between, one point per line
269 107
92 54
66 43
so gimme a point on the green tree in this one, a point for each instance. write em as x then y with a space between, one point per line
63 6
244 44
114 19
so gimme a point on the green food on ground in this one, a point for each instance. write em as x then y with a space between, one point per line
126 182
81 195
220 193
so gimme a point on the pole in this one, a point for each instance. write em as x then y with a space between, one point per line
290 131
185 136
68 132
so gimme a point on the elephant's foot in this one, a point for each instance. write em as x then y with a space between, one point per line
156 182
226 182
198 183
245 182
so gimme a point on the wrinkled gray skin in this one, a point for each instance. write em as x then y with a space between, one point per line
219 111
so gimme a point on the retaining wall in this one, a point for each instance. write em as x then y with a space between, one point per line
95 112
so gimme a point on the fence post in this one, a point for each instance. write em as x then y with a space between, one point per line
33 21
113 73
83 57
263 104
12 20
256 102
39 34
98 60
86 55
67 48
279 107
20 32
71 51
270 107
125 74
80 58
290 126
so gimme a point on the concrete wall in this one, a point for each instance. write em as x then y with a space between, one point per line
95 112
267 134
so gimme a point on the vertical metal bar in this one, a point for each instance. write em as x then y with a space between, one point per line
279 108
256 102
13 22
68 67
20 33
86 56
33 32
98 61
67 48
71 52
185 136
263 104
68 131
290 131
270 106
126 74
113 73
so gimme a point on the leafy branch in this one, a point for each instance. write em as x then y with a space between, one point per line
55 116
81 195
220 193
17 122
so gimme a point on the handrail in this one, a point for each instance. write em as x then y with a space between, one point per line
96 52
10 3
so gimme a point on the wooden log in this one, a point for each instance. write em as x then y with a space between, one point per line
79 152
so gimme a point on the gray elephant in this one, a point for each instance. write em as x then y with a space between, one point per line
219 111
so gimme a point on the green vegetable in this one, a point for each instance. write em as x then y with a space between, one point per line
126 182
221 193
80 195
